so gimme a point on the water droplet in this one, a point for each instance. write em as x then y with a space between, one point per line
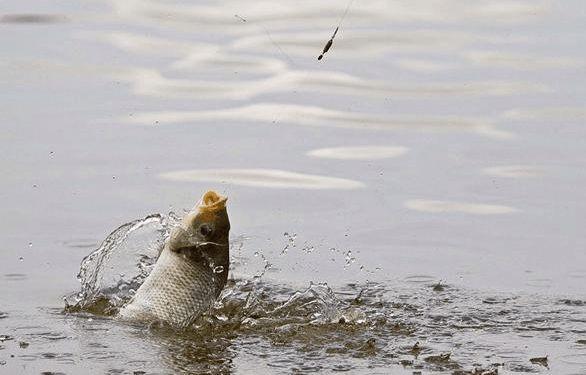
30 244
256 253
285 249
219 269
35 186
113 177
21 259
349 259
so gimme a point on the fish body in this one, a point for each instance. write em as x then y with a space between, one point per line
191 270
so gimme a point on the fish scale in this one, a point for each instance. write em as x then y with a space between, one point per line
177 291
191 270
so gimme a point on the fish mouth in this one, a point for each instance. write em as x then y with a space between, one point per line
210 215
211 202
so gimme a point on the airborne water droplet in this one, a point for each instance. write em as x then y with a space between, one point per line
219 269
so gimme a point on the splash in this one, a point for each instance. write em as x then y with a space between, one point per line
111 274
427 325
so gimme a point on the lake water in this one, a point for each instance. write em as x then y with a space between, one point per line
430 169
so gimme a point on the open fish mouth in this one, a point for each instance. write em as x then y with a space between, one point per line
212 201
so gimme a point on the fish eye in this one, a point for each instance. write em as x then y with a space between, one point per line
205 229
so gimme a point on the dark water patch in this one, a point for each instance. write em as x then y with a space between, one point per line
420 279
15 276
573 302
33 18
4 338
315 328
542 361
574 359
49 336
81 243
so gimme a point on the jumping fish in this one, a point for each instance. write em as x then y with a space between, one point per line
191 270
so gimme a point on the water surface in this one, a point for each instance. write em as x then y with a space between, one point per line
434 141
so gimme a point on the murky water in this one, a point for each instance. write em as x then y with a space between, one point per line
413 202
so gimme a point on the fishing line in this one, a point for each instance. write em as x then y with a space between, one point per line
345 12
331 41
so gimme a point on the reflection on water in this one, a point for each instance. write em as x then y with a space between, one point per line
495 59
152 83
435 206
317 116
359 152
513 171
269 178
311 13
558 114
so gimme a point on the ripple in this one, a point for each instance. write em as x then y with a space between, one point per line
436 206
318 116
547 114
540 283
358 43
285 14
189 55
423 66
513 171
15 276
150 82
494 59
269 178
420 279
80 243
32 18
574 359
359 152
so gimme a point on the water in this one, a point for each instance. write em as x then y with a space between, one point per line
434 141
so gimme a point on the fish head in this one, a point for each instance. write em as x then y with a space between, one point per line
203 232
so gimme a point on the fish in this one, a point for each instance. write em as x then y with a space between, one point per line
191 270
